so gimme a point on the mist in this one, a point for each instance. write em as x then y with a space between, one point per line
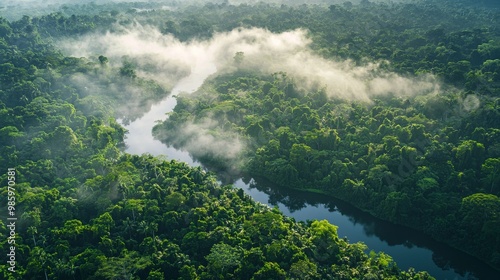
16 9
162 57
165 59
206 139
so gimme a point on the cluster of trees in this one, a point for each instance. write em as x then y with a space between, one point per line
395 159
147 218
457 40
428 162
86 210
402 160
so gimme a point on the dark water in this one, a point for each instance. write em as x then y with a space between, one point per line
407 247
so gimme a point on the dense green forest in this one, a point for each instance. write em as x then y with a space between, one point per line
429 161
87 210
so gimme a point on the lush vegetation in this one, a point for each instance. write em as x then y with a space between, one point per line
86 210
429 162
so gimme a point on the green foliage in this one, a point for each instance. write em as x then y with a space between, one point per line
270 270
409 160
325 242
89 211
123 267
223 258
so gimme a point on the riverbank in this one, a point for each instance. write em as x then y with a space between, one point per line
374 216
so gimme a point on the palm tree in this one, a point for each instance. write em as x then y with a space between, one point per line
129 226
32 230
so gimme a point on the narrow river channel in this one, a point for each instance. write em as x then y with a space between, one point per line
407 247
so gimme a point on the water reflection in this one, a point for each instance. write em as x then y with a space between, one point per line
408 247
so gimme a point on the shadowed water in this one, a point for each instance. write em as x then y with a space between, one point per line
407 247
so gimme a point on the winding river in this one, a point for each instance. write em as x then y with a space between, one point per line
407 247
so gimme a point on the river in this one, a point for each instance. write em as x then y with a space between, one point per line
407 247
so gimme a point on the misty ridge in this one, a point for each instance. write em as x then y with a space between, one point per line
165 60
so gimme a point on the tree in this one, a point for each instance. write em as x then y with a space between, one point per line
469 154
72 229
478 209
5 29
38 262
10 135
490 170
102 225
128 70
124 267
325 241
238 58
395 207
265 226
426 184
281 172
146 228
103 60
64 209
302 158
304 269
223 258
174 201
270 270
63 140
